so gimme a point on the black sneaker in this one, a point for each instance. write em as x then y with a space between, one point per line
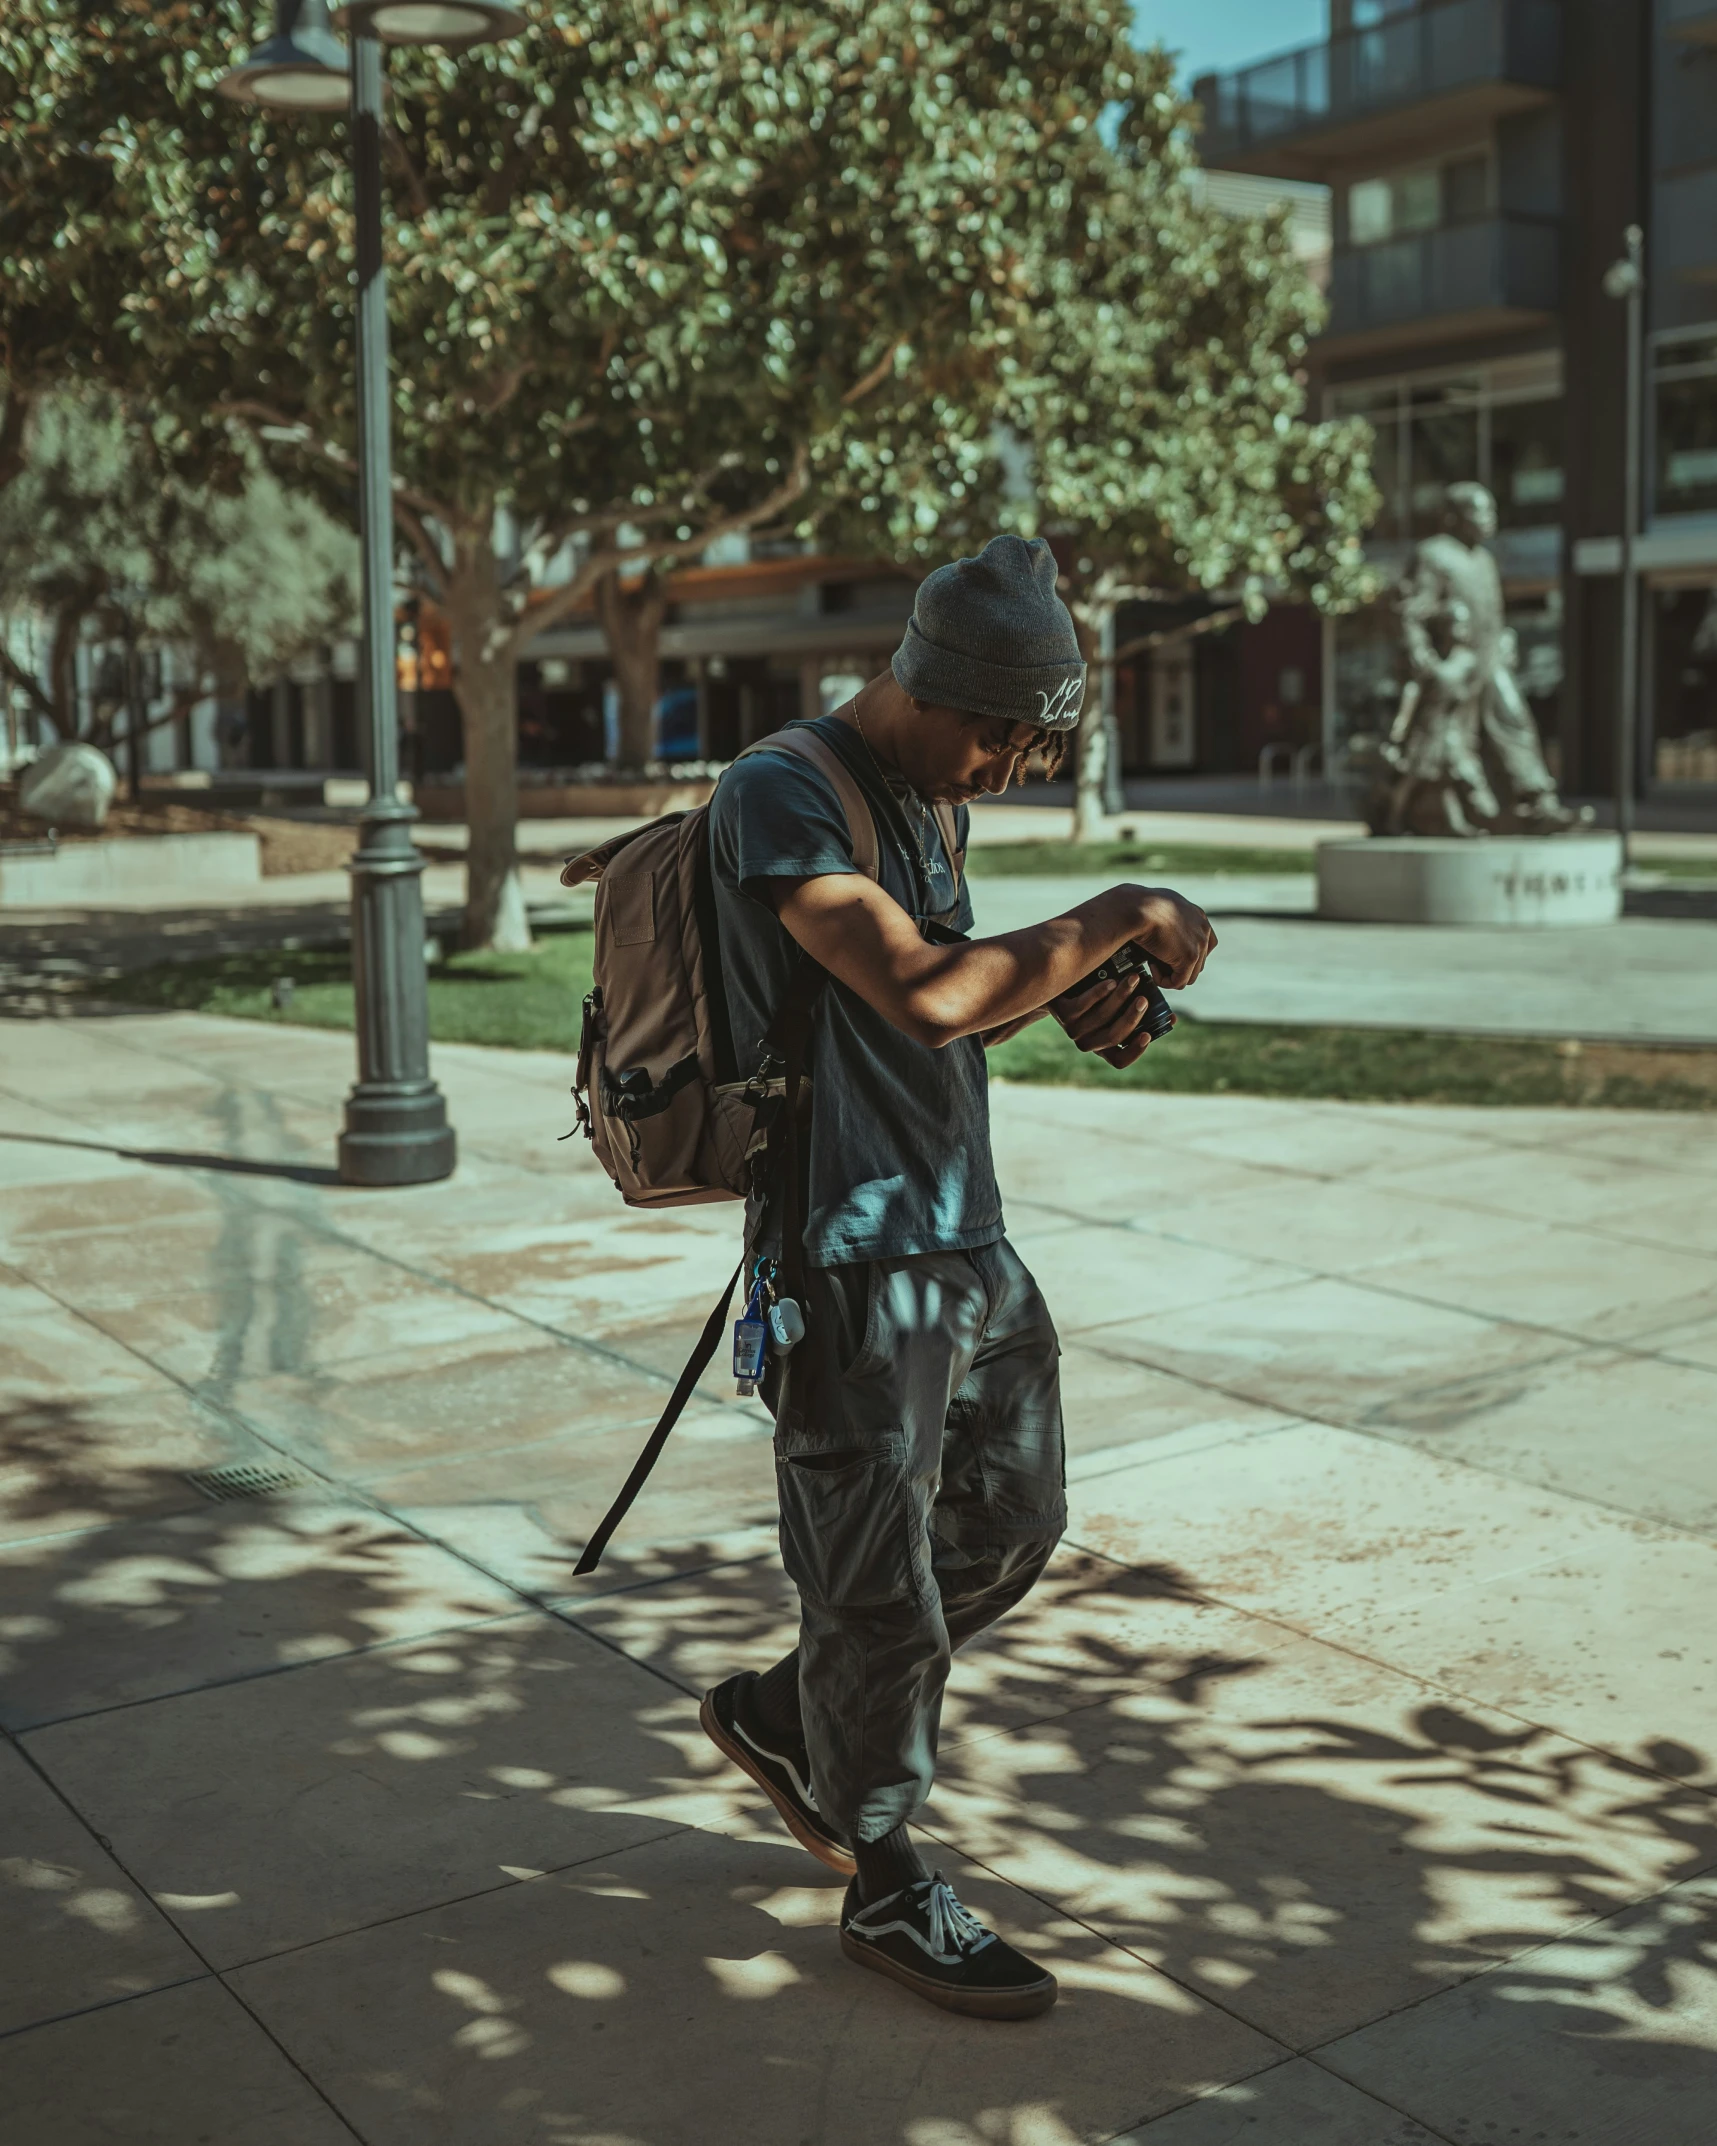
926 1939
784 1775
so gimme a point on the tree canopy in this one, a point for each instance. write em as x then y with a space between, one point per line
662 271
99 526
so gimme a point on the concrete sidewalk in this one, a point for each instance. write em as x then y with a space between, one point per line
1355 1767
1642 979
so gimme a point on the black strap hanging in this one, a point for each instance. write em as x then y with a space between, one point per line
696 1364
787 1043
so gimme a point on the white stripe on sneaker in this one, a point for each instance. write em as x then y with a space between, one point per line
951 1923
801 1787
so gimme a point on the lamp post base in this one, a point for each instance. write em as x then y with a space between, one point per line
396 1133
396 1117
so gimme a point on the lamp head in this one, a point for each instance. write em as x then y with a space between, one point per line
301 68
431 22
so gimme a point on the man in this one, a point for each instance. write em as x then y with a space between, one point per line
918 1428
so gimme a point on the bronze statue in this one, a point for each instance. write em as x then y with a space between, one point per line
1462 756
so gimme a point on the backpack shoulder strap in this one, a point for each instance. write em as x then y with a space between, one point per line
947 827
861 821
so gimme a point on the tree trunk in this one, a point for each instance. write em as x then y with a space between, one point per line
1094 742
63 676
14 424
631 614
485 683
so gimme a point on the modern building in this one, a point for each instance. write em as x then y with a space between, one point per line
1484 158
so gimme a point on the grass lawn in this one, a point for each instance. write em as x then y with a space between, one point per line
531 1002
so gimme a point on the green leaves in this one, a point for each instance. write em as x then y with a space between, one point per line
215 556
643 254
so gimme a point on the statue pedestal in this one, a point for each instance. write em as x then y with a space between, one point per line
1490 879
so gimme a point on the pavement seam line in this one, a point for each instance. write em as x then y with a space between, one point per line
107 2004
271 1669
1503 1966
1138 2134
1314 1416
197 1952
353 1492
1361 1279
1310 2051
453 1900
1284 1623
312 1223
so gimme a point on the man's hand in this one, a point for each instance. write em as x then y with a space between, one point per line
1101 1017
1175 933
1108 1017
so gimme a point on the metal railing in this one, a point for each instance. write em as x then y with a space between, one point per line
1503 261
1422 54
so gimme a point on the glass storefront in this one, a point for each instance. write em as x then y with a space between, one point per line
1681 655
1684 423
1680 612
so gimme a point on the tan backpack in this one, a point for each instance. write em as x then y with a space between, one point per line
672 1116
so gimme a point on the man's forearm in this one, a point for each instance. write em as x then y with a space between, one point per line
1008 980
939 993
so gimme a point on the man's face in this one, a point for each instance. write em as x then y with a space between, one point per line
951 757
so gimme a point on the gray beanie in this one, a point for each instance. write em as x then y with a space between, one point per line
990 635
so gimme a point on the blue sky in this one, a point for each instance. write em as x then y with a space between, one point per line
1215 35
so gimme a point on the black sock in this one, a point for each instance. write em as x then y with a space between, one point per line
886 1866
773 1702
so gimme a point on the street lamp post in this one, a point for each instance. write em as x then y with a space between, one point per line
396 1130
1625 279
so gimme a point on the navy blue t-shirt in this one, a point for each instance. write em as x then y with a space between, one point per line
900 1133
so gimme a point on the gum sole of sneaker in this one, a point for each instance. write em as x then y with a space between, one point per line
825 1851
1025 2003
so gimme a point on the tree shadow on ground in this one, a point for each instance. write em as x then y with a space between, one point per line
475 1867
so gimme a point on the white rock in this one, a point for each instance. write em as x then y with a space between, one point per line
69 785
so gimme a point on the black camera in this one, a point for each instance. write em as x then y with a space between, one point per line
1132 960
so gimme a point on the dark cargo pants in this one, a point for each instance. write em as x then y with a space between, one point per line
918 1458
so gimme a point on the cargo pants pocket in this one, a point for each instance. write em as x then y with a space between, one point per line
851 1536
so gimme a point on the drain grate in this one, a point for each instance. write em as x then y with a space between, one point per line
248 1479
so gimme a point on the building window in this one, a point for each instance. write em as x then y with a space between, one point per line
1421 198
1443 445
1500 423
1685 423
1379 209
1526 462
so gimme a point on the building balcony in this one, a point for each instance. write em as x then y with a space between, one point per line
1694 20
1404 85
1464 280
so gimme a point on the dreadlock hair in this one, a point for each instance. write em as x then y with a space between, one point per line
1048 754
1044 757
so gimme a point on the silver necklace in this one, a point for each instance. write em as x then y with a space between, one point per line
925 865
